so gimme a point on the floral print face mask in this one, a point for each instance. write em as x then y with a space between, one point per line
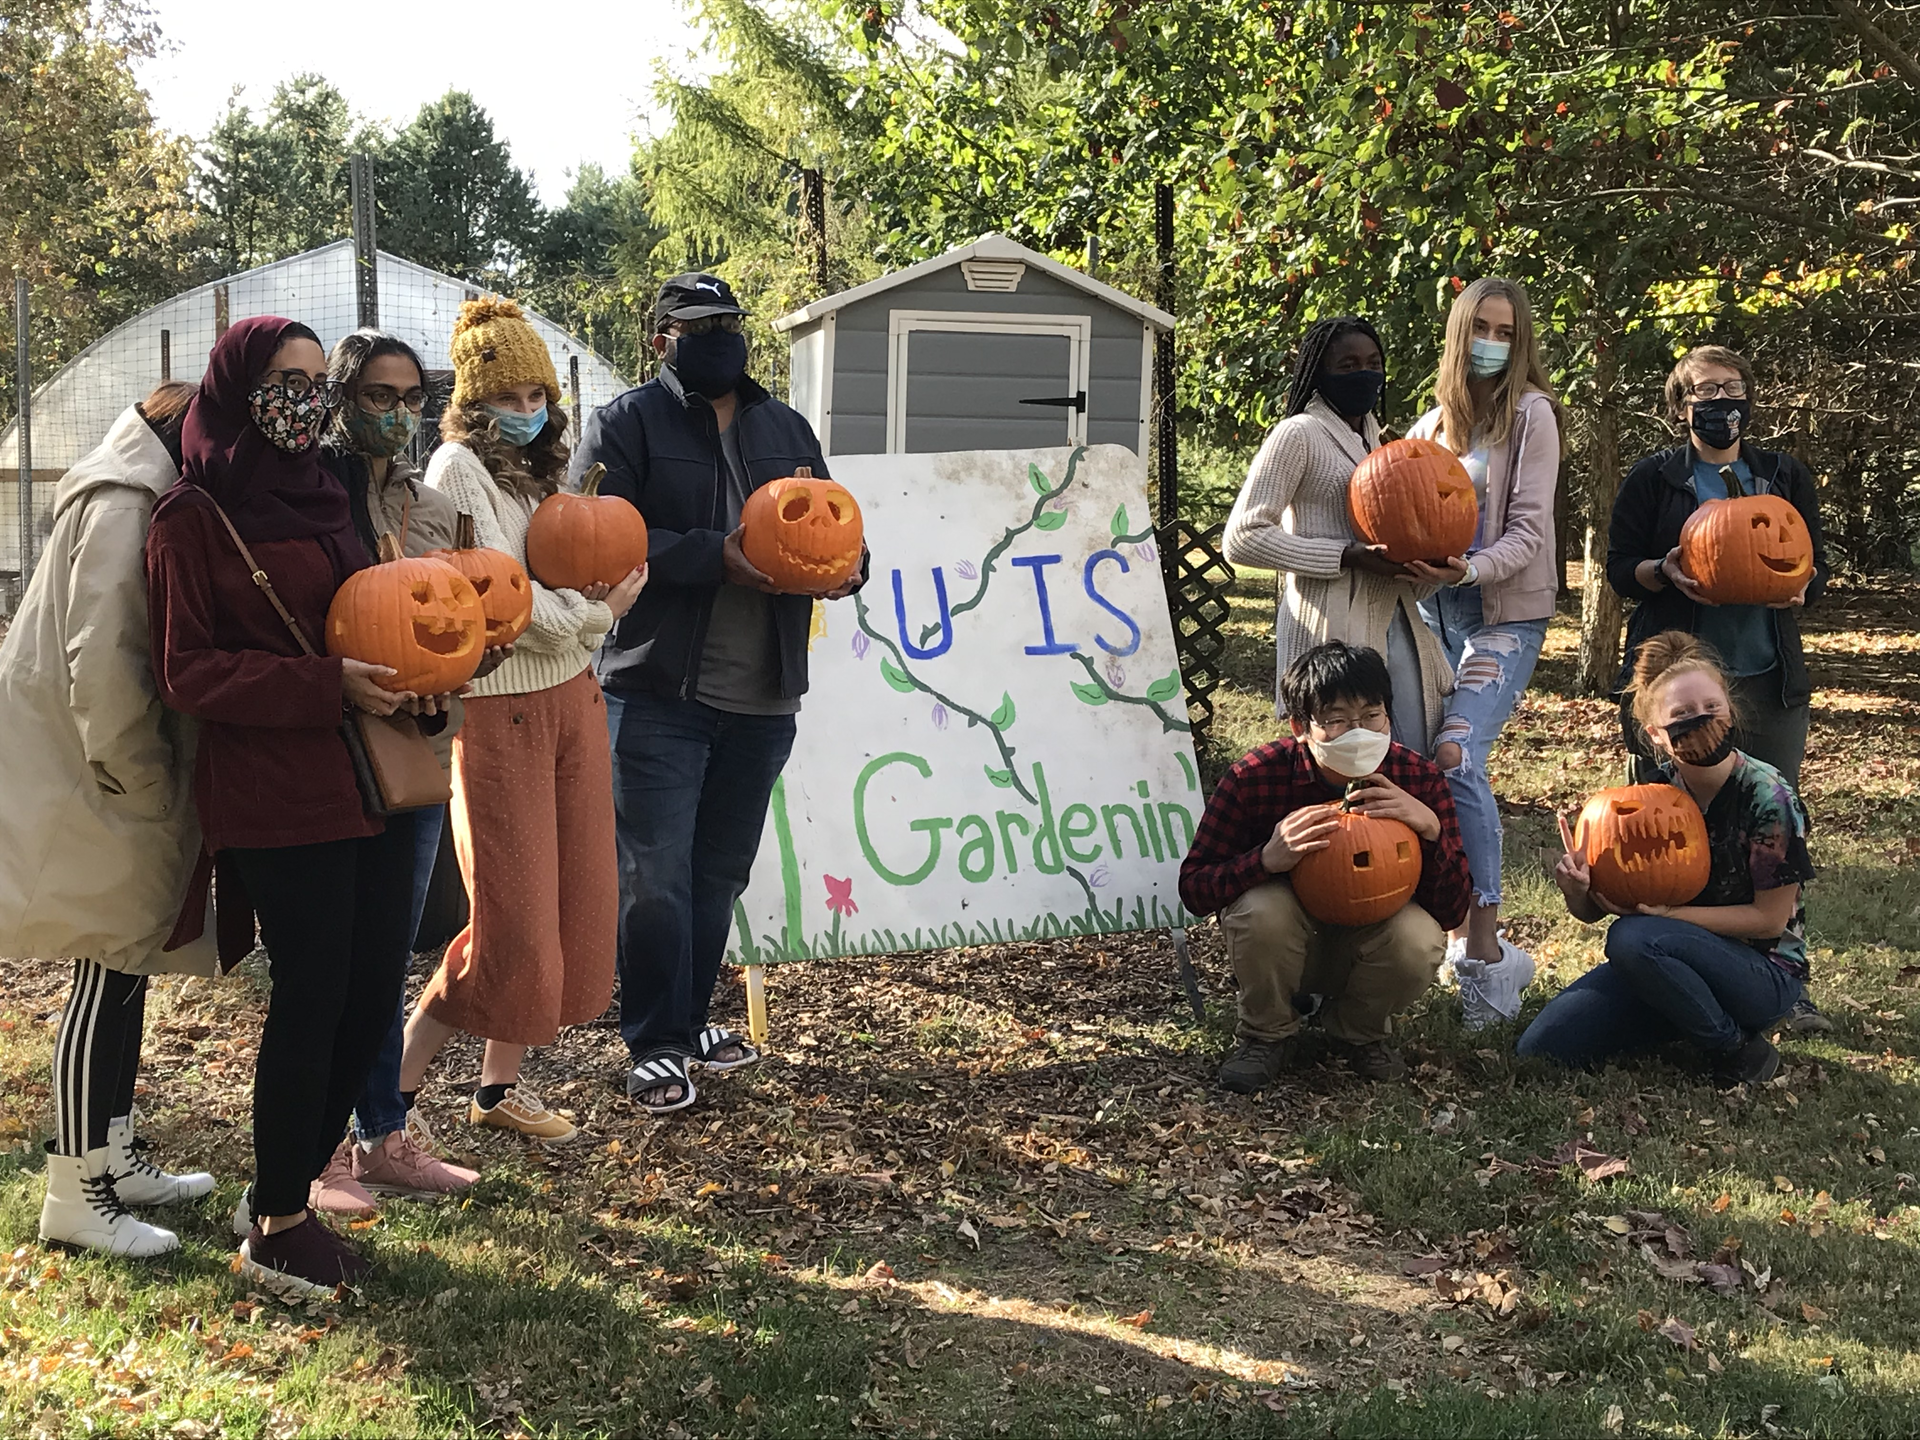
292 422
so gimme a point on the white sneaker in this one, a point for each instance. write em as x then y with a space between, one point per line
1456 950
141 1182
243 1214
82 1208
1490 993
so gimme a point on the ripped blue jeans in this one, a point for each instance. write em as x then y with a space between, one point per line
1492 665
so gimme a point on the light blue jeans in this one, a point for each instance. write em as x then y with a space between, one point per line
1492 665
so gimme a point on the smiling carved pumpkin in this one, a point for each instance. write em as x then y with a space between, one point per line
1415 498
804 533
1747 549
1644 845
1369 869
419 616
497 579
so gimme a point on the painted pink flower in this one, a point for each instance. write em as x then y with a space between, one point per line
840 895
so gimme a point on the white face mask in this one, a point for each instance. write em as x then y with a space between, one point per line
1355 753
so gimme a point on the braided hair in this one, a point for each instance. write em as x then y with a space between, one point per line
1313 354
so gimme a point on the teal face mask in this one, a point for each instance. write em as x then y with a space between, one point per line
518 429
1487 358
381 436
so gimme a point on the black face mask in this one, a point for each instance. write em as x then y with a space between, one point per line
1351 393
1702 740
1719 424
709 364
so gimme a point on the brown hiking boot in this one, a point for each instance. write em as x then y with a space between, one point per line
1374 1059
1255 1065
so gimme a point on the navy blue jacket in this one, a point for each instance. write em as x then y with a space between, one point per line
1654 502
661 447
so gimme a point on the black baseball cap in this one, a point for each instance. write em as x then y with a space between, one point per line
693 296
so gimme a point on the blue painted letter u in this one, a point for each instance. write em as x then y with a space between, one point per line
945 643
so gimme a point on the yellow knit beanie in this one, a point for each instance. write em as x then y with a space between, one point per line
494 349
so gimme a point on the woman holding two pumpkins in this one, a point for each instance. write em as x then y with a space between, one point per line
533 781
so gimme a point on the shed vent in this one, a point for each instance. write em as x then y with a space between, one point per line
1002 275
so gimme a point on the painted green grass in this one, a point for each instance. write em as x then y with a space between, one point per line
1145 913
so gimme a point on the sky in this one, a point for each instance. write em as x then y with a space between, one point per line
562 85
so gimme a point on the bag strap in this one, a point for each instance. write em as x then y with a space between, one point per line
260 579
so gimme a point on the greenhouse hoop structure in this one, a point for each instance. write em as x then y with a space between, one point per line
72 409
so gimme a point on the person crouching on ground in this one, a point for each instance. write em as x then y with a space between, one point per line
1278 805
99 839
1719 973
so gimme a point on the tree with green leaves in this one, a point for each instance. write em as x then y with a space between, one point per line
450 196
277 186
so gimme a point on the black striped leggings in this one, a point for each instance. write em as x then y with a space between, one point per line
96 1055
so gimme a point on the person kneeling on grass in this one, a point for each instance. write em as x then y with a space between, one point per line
1279 804
1719 973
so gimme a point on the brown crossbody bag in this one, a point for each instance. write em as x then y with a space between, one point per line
394 765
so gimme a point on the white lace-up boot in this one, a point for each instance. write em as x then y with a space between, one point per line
83 1208
139 1180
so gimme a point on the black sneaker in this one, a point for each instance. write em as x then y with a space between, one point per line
1255 1065
1805 1019
1754 1063
304 1262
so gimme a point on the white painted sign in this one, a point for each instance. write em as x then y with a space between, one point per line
995 745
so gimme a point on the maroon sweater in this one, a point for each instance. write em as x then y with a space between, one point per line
272 769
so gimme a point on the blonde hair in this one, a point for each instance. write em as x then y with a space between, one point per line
1681 377
536 472
1664 658
1460 426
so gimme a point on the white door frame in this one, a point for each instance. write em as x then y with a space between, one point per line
1076 329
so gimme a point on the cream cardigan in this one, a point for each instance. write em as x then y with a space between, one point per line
1291 516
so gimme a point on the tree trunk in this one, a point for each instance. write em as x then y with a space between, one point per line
1600 612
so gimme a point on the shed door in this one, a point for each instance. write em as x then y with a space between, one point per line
964 381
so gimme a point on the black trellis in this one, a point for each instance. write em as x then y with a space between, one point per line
1198 578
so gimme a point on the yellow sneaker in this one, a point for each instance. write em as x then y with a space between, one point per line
524 1113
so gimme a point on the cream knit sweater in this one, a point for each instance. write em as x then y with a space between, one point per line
1291 516
567 627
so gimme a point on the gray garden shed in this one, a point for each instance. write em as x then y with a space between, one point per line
989 347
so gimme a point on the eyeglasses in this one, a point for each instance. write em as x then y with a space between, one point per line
382 398
706 324
1714 390
297 383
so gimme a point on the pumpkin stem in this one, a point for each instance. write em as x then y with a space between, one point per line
463 532
1354 787
389 547
590 482
803 472
1735 491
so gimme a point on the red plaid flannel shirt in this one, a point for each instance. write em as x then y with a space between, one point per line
1280 777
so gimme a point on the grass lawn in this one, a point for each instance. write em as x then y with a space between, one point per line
993 1191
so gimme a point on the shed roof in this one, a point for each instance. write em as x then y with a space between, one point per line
987 247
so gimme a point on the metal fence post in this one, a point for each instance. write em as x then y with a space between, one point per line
573 390
1166 437
366 265
23 424
166 355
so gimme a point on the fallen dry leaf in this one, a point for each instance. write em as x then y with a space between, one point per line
1678 1332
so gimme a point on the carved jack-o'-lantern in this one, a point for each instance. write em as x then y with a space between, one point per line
1415 498
504 590
586 539
804 533
1747 549
419 616
1644 845
1367 872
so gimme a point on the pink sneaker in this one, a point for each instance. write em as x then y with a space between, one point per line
336 1192
399 1166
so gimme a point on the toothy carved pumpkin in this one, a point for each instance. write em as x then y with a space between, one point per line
804 533
419 616
1415 498
1747 549
587 539
1367 872
1644 845
504 590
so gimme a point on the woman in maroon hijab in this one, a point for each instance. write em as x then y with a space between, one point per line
273 782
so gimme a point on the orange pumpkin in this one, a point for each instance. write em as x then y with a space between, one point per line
504 590
1747 549
1367 872
804 533
1644 845
586 539
419 616
1415 498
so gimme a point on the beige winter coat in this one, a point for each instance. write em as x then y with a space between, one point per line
1291 516
97 829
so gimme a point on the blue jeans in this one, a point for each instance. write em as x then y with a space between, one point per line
380 1110
1663 980
1492 665
690 791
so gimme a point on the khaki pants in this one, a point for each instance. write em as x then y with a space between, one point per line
1367 973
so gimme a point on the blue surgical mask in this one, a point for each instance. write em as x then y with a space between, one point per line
516 428
1488 357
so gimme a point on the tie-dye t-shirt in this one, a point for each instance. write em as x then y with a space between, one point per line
1757 837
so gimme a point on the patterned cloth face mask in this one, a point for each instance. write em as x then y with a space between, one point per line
381 435
292 422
